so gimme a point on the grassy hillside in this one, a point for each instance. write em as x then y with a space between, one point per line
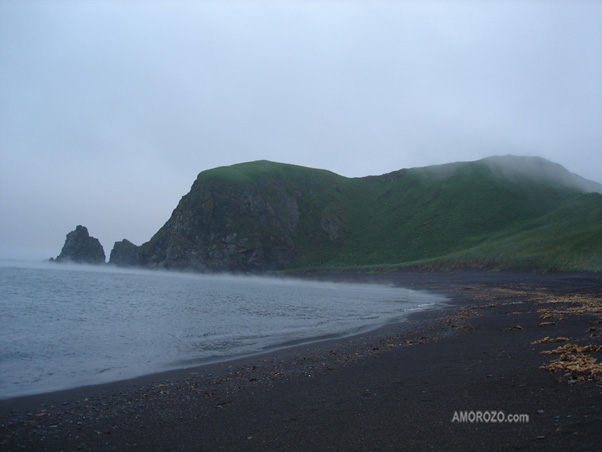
502 212
568 238
466 215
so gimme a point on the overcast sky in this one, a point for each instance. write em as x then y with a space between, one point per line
109 109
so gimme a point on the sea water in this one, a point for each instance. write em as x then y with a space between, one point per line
63 326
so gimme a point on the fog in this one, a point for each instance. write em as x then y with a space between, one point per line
225 277
109 109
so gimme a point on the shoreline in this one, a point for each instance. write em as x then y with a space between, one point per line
394 386
410 323
171 372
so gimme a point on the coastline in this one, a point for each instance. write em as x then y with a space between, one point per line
390 388
412 321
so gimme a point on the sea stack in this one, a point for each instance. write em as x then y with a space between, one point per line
124 254
80 248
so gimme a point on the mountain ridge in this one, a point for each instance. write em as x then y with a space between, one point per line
264 216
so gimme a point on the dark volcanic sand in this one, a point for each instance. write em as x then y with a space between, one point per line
394 389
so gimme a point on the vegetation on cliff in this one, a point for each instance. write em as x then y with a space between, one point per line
500 212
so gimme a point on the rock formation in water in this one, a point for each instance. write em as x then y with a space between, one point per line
80 248
124 254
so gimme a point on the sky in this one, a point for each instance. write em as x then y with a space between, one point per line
109 109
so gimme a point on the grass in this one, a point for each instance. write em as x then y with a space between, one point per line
453 215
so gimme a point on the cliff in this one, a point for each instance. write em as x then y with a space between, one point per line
247 218
263 215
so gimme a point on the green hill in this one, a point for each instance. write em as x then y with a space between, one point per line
569 237
501 212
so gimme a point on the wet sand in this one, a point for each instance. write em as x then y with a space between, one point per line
397 388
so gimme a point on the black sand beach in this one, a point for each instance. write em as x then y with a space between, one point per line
403 387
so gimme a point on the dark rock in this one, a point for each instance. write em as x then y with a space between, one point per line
80 248
239 226
124 254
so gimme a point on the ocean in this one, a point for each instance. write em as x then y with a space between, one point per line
64 326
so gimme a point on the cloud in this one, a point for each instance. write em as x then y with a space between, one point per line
110 109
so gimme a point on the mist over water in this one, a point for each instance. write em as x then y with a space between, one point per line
66 326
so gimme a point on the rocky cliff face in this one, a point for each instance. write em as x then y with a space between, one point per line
124 254
234 220
247 229
80 248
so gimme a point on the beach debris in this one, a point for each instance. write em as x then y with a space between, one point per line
462 314
223 404
576 362
554 307
548 339
550 314
517 327
559 307
573 348
422 340
465 312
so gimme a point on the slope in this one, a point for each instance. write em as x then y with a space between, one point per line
257 216
568 238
